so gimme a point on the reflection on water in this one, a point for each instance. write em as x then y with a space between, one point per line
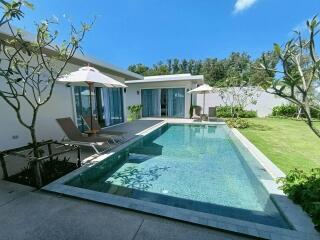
131 177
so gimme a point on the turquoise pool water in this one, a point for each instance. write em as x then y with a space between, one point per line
197 167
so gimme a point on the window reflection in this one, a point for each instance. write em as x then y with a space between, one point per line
107 105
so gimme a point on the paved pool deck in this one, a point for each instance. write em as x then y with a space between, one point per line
29 214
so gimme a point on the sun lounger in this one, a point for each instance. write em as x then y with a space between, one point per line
212 114
196 114
77 138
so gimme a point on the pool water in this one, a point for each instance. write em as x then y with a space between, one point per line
197 167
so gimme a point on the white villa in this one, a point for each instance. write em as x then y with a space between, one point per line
164 96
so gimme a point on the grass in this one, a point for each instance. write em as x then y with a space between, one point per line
288 143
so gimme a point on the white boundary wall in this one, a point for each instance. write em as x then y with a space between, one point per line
265 102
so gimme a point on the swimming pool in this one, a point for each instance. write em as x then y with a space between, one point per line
196 167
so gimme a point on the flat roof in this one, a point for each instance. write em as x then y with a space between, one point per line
78 59
169 78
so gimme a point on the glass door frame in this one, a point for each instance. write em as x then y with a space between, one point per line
73 97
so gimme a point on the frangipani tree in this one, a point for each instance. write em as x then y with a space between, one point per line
238 89
293 72
30 68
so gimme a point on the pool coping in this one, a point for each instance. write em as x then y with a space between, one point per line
304 228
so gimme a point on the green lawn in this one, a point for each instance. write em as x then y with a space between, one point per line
288 143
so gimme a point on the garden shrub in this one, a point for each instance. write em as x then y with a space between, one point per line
284 110
237 123
315 113
291 110
226 112
304 189
135 111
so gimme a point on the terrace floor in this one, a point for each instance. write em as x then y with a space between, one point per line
29 214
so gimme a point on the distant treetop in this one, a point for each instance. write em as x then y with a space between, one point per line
216 72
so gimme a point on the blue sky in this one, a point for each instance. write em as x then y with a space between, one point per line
147 31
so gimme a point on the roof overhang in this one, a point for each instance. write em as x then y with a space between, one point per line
78 59
197 79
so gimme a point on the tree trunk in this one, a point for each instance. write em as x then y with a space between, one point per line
34 142
32 130
36 165
299 113
307 112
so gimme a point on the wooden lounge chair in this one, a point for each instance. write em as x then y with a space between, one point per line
212 114
196 114
96 126
77 138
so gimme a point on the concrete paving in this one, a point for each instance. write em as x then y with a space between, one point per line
29 214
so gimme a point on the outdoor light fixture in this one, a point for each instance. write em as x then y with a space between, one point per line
138 92
125 90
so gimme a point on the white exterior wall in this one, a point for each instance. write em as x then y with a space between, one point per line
265 102
13 134
133 98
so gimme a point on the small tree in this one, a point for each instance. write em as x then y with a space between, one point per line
30 69
293 71
238 97
238 89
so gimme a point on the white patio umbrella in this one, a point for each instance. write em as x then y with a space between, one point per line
203 89
93 78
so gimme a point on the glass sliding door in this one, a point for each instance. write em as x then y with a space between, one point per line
107 105
176 102
165 102
113 106
150 100
82 102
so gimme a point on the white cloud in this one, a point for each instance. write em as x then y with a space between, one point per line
242 5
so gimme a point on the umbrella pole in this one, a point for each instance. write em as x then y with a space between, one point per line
91 110
204 102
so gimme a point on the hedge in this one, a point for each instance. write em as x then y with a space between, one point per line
226 112
291 110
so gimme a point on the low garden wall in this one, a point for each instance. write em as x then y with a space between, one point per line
265 102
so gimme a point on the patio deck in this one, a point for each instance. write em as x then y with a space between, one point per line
134 127
29 214
131 130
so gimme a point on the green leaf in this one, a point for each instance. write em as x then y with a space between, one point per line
28 5
277 49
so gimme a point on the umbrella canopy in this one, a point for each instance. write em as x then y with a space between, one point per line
87 75
203 89
93 78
